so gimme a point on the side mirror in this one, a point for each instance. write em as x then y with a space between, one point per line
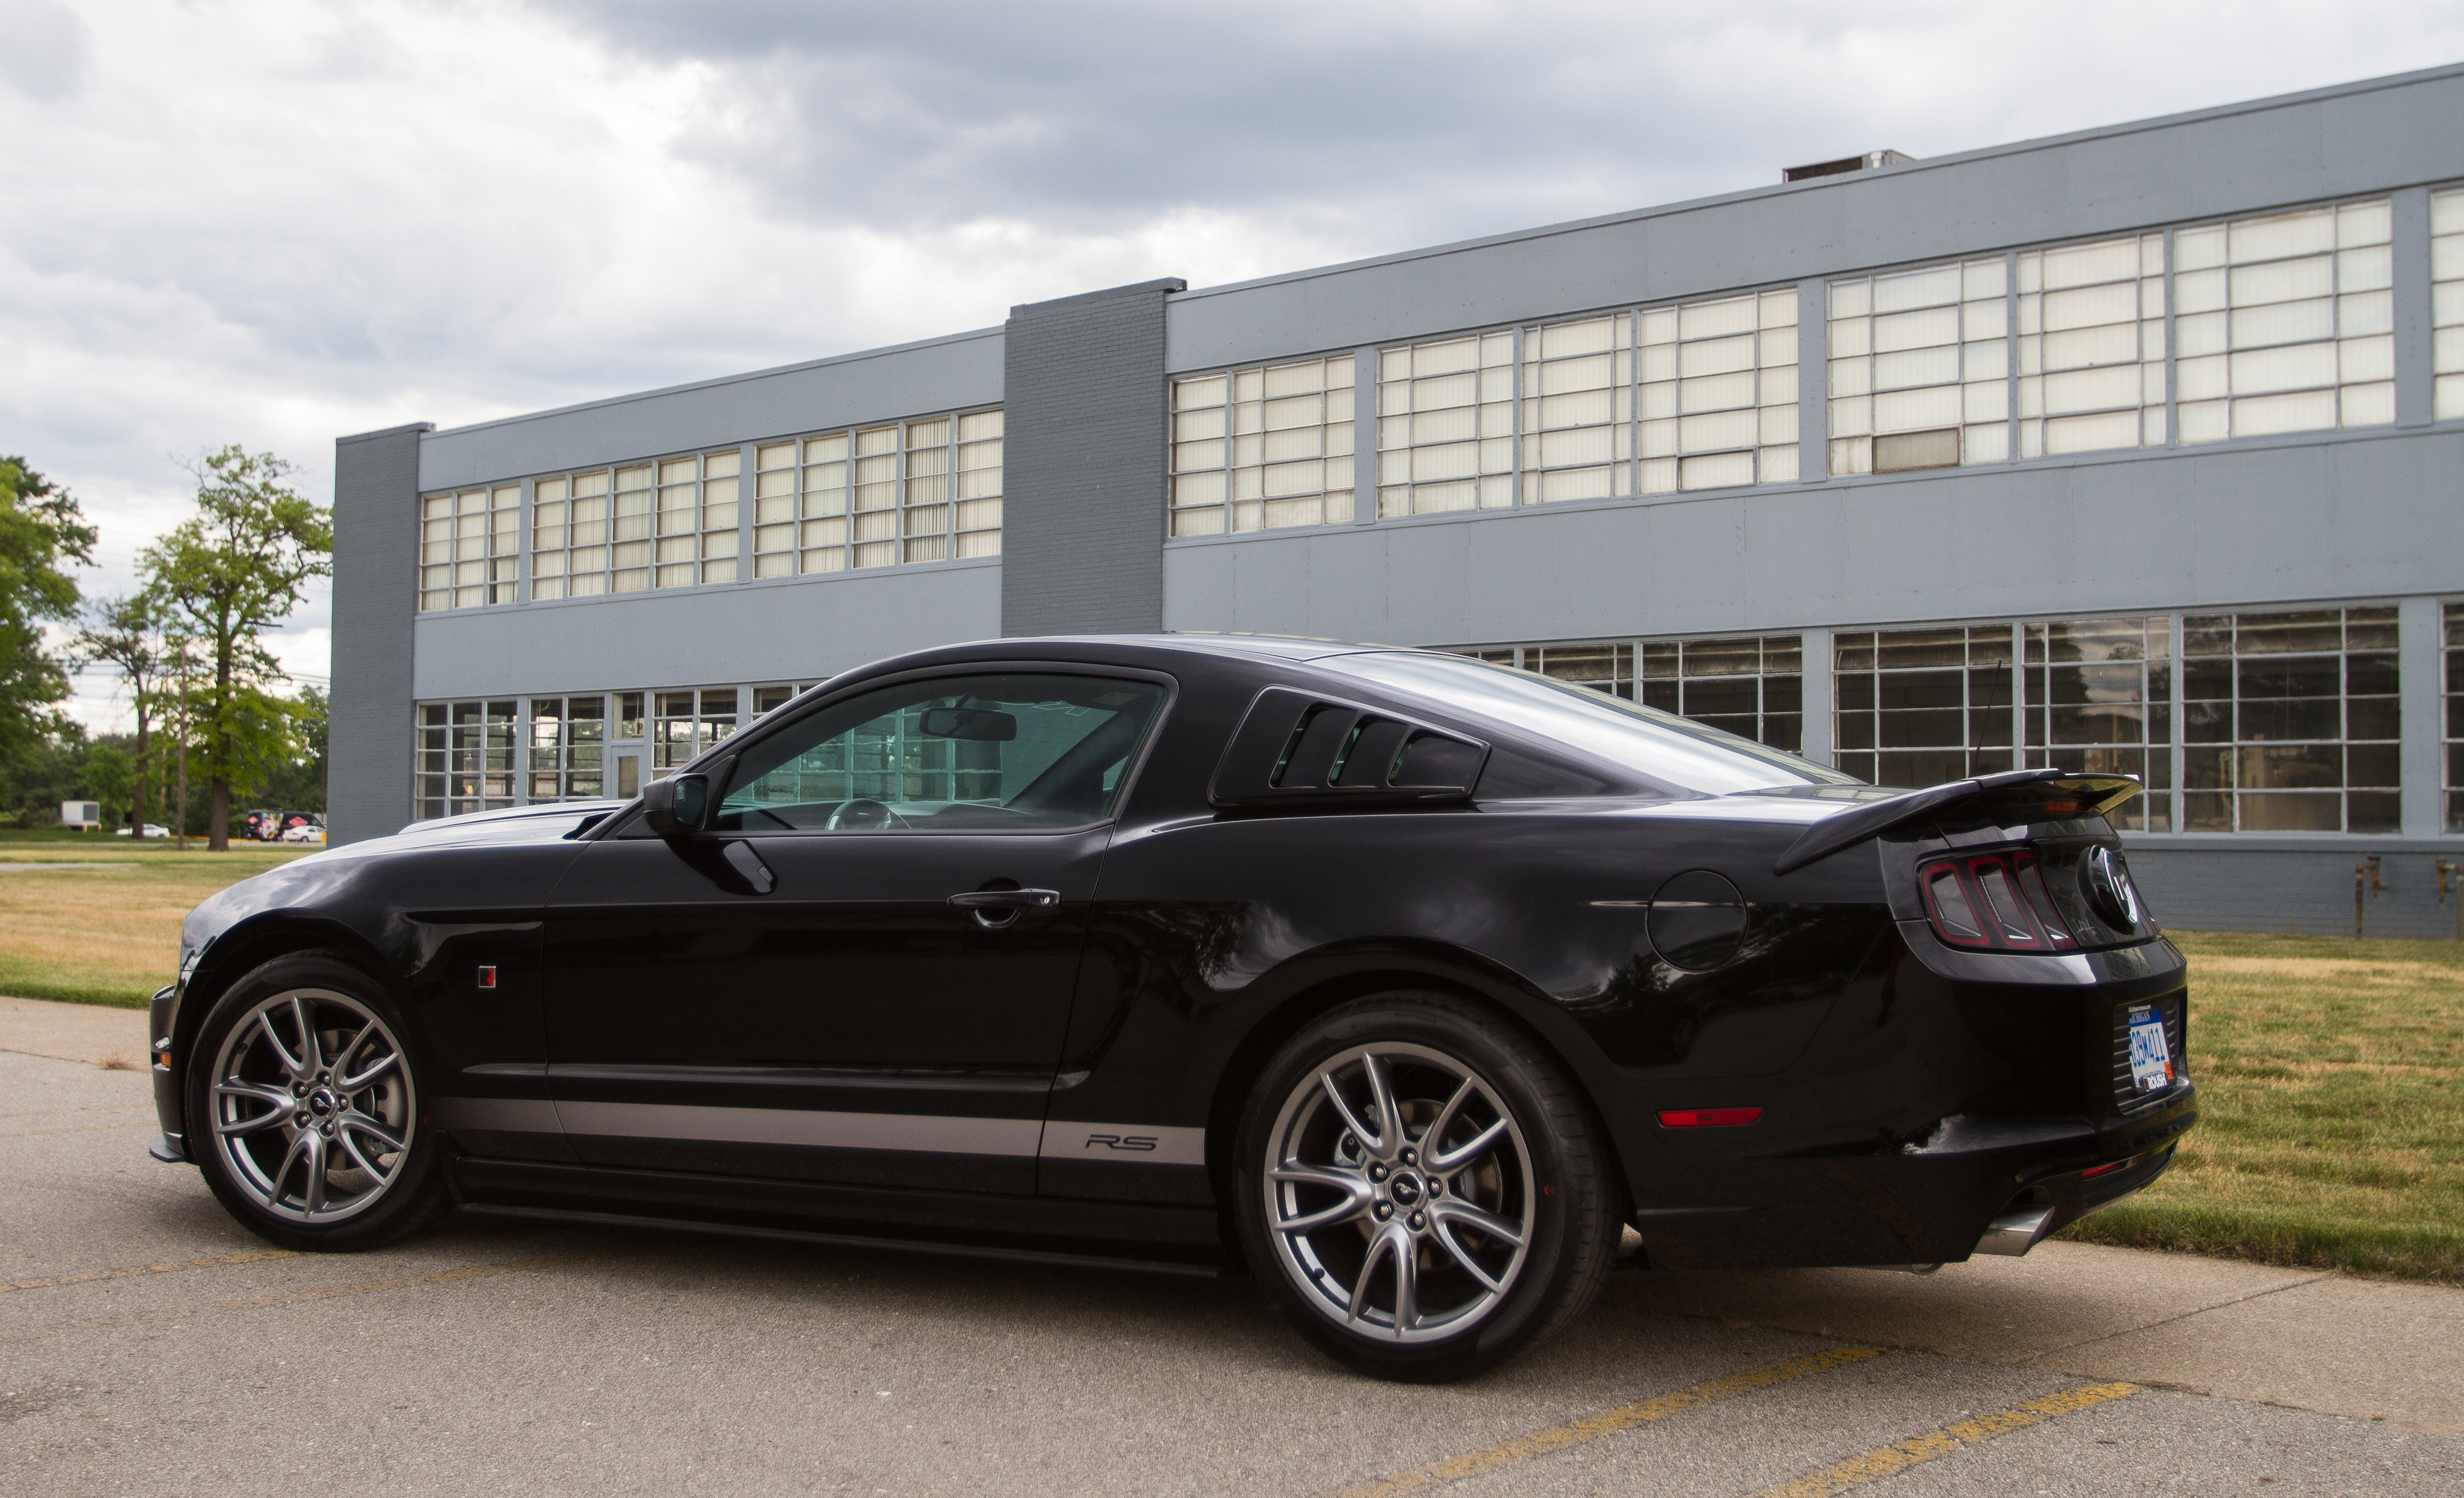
676 806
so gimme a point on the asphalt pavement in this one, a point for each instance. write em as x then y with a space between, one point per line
148 1344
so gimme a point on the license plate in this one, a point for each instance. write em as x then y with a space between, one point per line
2151 1061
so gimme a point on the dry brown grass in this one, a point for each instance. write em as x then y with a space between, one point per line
108 931
2331 1085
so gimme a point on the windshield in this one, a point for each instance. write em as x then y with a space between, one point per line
1672 750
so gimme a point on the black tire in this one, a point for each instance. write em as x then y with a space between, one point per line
1473 1297
259 1163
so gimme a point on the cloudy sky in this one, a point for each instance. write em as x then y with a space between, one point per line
278 221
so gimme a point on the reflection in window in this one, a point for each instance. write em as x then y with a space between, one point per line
1263 449
1918 707
2285 323
465 758
567 738
2291 721
1919 368
2447 302
1010 752
2100 699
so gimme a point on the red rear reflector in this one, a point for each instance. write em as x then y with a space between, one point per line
2103 1170
1709 1118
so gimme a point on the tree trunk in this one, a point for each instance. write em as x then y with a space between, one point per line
137 806
217 815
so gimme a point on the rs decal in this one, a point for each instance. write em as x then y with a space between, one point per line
1121 1141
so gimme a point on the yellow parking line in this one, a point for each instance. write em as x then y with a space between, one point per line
1883 1462
1558 1438
260 1302
216 1262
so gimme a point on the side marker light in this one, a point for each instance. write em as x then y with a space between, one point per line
1709 1118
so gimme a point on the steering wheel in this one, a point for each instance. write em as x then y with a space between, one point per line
864 815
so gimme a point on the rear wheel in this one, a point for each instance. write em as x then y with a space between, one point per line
304 1109
1419 1188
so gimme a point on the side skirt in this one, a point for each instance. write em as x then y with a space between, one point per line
1111 1235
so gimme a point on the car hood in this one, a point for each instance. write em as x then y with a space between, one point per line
312 880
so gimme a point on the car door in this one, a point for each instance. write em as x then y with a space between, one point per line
862 972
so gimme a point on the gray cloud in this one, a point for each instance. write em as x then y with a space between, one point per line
45 51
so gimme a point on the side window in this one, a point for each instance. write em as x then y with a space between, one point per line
982 752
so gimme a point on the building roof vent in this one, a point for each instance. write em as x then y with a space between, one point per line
1865 163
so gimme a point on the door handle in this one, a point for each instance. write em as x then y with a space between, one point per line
996 908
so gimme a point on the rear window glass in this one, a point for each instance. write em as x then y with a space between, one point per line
1663 746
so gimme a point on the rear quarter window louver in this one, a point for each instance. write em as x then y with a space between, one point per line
1297 748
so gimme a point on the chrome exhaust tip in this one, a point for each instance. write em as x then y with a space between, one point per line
2015 1232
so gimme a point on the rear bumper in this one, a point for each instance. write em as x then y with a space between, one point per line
1974 1185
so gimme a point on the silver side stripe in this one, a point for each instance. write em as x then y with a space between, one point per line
1138 1144
1129 1144
499 1114
914 1133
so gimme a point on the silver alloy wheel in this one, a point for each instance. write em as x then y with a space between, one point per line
1399 1193
312 1106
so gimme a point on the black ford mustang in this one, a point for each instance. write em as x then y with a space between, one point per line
1408 981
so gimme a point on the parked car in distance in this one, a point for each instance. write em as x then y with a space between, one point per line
1406 982
312 832
150 831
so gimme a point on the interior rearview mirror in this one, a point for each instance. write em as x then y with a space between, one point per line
676 806
981 724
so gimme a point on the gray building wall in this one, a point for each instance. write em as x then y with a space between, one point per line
1083 478
376 594
782 630
2280 885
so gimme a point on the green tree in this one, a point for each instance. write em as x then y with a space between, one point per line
298 782
40 529
111 779
224 578
126 632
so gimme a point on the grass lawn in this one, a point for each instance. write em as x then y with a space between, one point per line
2331 1130
106 930
2330 1072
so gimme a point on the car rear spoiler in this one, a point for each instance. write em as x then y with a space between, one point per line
2040 793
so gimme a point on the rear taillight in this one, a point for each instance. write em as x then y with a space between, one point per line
1993 900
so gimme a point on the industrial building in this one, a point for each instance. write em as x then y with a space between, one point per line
2139 449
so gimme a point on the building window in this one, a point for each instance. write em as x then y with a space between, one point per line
465 758
976 523
2447 302
1918 707
2291 721
773 510
770 699
2285 323
1919 369
1445 422
569 536
2099 700
1263 449
2455 757
1578 415
689 722
1719 393
1753 687
470 545
2091 347
566 738
697 499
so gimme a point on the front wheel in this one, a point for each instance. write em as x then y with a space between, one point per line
303 1110
1422 1189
